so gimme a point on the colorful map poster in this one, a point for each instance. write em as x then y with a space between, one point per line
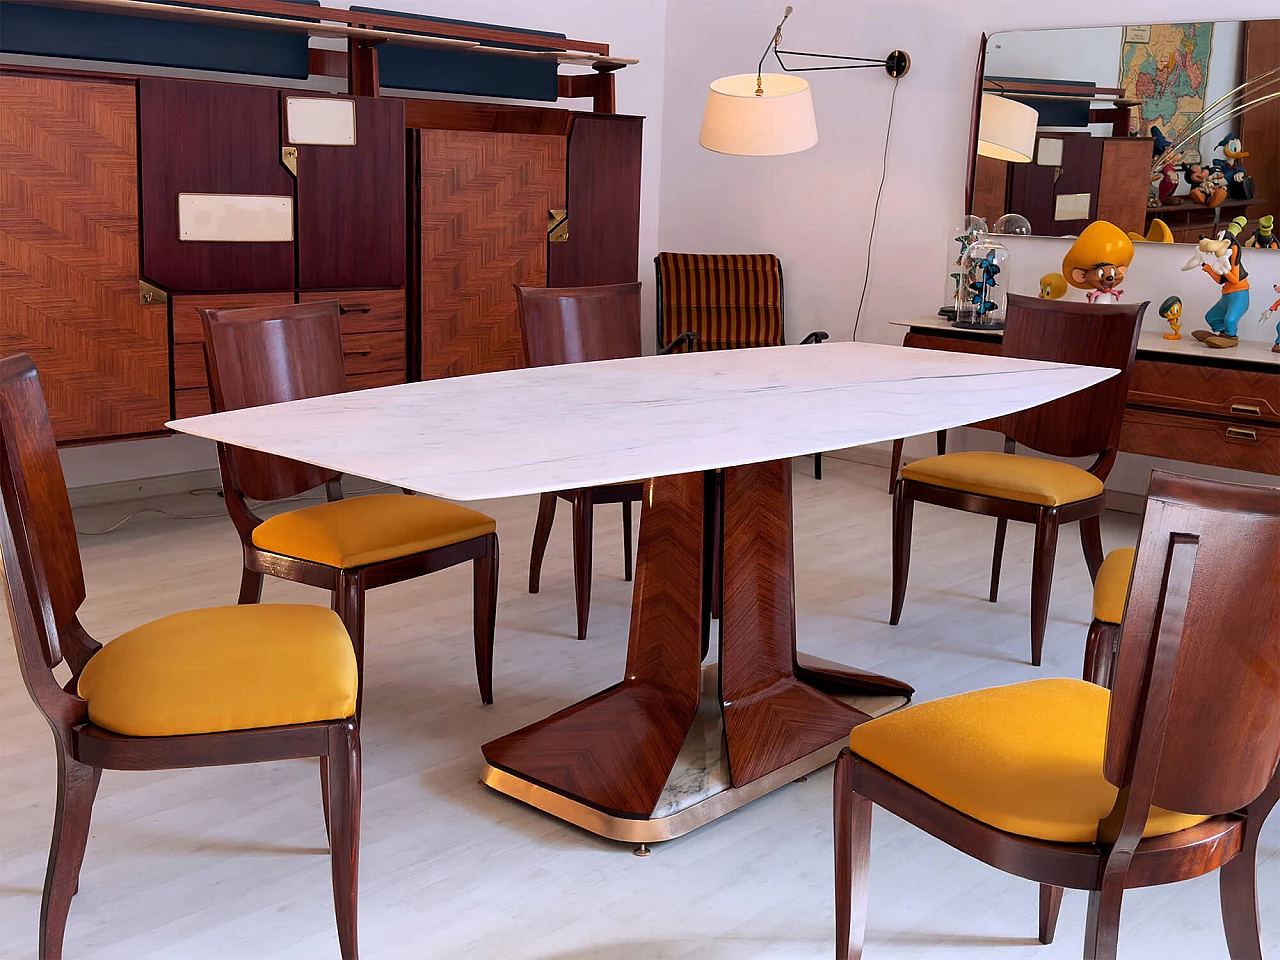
1166 66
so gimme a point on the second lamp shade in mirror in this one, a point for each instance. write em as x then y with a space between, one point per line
1006 129
741 122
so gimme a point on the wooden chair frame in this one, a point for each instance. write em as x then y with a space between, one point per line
1148 756
44 587
1038 429
318 345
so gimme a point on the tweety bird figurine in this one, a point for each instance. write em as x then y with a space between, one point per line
1053 286
1171 310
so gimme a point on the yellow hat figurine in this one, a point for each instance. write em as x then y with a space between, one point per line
1098 261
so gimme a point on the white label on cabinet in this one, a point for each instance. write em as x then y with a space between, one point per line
234 218
321 121
1072 206
1049 152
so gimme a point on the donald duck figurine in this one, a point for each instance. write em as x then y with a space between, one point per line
1220 259
1239 183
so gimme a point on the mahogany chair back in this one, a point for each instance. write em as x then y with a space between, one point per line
573 324
44 582
1085 423
262 355
1195 713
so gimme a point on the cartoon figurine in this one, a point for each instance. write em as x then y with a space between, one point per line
1264 237
1171 310
1098 260
1168 182
1268 314
1239 183
1208 185
1164 169
1053 286
1158 232
1220 259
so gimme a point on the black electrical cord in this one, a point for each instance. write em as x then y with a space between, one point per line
875 214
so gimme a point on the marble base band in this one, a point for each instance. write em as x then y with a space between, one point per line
615 752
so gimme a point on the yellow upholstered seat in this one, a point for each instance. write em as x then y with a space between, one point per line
1111 589
1008 476
1025 758
223 668
365 530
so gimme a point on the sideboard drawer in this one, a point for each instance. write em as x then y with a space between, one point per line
1222 443
1217 391
988 346
373 333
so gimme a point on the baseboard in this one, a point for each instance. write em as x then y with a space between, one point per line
119 491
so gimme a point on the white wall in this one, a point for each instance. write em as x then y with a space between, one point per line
814 209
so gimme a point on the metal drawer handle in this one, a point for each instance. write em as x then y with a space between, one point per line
1242 433
357 353
1246 408
345 308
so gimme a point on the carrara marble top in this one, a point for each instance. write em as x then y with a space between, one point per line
1248 351
576 425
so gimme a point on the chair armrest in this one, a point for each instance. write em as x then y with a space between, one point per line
817 337
689 336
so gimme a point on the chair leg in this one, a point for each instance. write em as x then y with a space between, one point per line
997 557
583 521
1238 882
1050 904
852 827
342 787
817 466
485 611
1046 551
627 573
324 799
903 508
942 443
1102 929
250 586
348 603
895 465
1091 541
77 786
541 534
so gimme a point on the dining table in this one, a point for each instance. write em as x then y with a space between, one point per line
701 720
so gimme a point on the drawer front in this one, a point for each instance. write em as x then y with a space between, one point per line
1216 391
373 332
191 403
1222 443
926 341
186 321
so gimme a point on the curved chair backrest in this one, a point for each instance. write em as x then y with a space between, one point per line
1196 705
261 355
44 581
1085 423
729 300
573 324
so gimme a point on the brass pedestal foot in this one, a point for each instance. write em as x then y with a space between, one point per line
642 850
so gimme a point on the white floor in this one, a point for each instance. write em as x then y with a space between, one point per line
231 862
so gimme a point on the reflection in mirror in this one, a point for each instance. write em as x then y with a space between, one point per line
1169 131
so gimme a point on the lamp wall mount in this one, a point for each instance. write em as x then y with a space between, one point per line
896 64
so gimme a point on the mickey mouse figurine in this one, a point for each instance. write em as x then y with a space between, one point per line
1098 261
1208 185
1220 259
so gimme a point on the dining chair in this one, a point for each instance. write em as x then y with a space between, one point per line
262 355
1110 592
213 687
1065 783
1010 486
727 301
572 325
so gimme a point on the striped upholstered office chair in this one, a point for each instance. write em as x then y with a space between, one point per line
727 300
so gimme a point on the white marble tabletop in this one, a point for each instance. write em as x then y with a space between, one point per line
554 428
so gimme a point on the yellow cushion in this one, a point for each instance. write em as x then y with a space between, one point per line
1008 476
224 668
364 530
1025 758
1111 589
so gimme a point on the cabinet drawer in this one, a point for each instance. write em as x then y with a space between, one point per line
191 403
987 346
189 372
373 331
187 327
1222 443
1216 391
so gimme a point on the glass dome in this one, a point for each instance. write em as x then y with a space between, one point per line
980 297
1012 225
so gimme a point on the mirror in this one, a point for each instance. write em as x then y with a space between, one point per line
1169 131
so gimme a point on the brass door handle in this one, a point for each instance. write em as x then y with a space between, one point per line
353 307
1246 408
1242 433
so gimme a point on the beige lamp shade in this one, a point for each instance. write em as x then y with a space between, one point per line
737 121
1006 129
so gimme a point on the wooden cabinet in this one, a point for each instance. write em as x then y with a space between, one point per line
373 335
69 257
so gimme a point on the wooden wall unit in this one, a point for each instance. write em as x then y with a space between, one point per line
484 200
69 256
373 335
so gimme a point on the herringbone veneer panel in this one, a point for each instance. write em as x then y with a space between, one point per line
485 198
69 257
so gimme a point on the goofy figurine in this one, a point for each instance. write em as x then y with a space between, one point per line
1220 259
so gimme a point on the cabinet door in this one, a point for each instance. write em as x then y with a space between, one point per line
351 196
485 199
604 204
213 139
69 257
373 335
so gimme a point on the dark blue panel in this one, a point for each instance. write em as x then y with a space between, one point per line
82 35
1053 113
461 71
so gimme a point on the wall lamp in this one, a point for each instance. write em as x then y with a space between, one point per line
770 114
